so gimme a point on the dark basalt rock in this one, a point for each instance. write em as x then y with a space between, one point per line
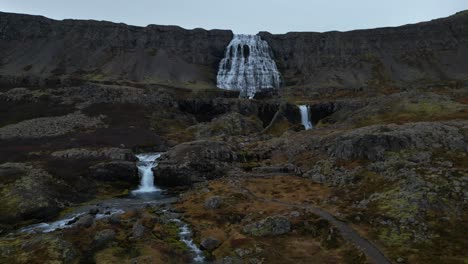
192 162
115 171
429 51
90 50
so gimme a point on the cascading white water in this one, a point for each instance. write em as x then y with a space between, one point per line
305 119
248 66
146 162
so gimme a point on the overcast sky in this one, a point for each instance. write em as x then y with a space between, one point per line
245 16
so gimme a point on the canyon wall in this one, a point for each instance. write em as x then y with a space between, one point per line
35 48
427 52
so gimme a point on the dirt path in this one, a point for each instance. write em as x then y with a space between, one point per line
347 232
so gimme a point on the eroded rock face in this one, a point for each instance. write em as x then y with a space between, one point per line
192 162
372 142
96 50
427 51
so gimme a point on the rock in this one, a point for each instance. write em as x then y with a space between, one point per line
326 61
28 192
210 243
288 168
213 202
232 260
231 124
192 162
115 219
94 211
124 171
270 226
103 153
242 252
86 221
104 237
50 126
138 230
374 141
45 248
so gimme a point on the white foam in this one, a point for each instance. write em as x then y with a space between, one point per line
248 66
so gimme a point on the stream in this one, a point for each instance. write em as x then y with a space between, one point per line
147 194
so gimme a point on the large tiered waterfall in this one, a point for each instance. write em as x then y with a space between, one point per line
305 117
248 66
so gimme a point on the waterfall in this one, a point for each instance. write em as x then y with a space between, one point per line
146 162
305 118
248 66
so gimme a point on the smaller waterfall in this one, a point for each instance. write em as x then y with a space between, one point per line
186 237
146 162
305 118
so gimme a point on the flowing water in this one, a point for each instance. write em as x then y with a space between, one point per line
146 163
305 117
248 66
146 195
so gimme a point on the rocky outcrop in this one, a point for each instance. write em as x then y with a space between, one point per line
124 171
36 49
232 124
372 142
270 226
425 52
192 162
50 126
28 193
87 153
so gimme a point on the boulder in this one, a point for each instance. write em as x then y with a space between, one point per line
210 243
138 230
125 171
28 192
270 226
86 221
192 162
213 202
104 237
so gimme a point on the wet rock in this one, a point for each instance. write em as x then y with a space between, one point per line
213 202
192 162
124 171
270 226
104 237
94 211
86 220
115 219
210 243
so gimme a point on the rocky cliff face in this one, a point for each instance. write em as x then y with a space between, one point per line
34 48
426 52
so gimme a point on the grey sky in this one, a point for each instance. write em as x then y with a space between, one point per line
245 16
